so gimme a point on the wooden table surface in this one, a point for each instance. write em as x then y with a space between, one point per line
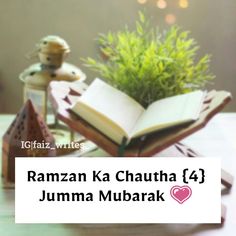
218 139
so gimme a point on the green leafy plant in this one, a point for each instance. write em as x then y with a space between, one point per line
148 64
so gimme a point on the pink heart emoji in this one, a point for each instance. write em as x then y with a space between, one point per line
181 193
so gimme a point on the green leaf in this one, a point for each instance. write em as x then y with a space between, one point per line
141 17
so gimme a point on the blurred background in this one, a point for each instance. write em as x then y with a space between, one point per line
24 22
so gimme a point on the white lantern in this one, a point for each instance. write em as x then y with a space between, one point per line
51 50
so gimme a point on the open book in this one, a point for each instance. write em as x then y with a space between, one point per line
119 116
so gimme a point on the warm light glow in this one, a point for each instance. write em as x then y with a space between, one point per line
170 19
162 4
142 1
183 3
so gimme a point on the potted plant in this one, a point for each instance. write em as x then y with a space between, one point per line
148 64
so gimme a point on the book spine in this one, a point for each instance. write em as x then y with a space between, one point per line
121 149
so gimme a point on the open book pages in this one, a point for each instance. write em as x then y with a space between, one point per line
117 115
169 112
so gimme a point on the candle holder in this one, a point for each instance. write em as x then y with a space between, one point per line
51 52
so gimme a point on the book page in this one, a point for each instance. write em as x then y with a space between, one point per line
108 107
169 112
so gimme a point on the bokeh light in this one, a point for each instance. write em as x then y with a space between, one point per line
183 3
142 1
162 4
170 19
